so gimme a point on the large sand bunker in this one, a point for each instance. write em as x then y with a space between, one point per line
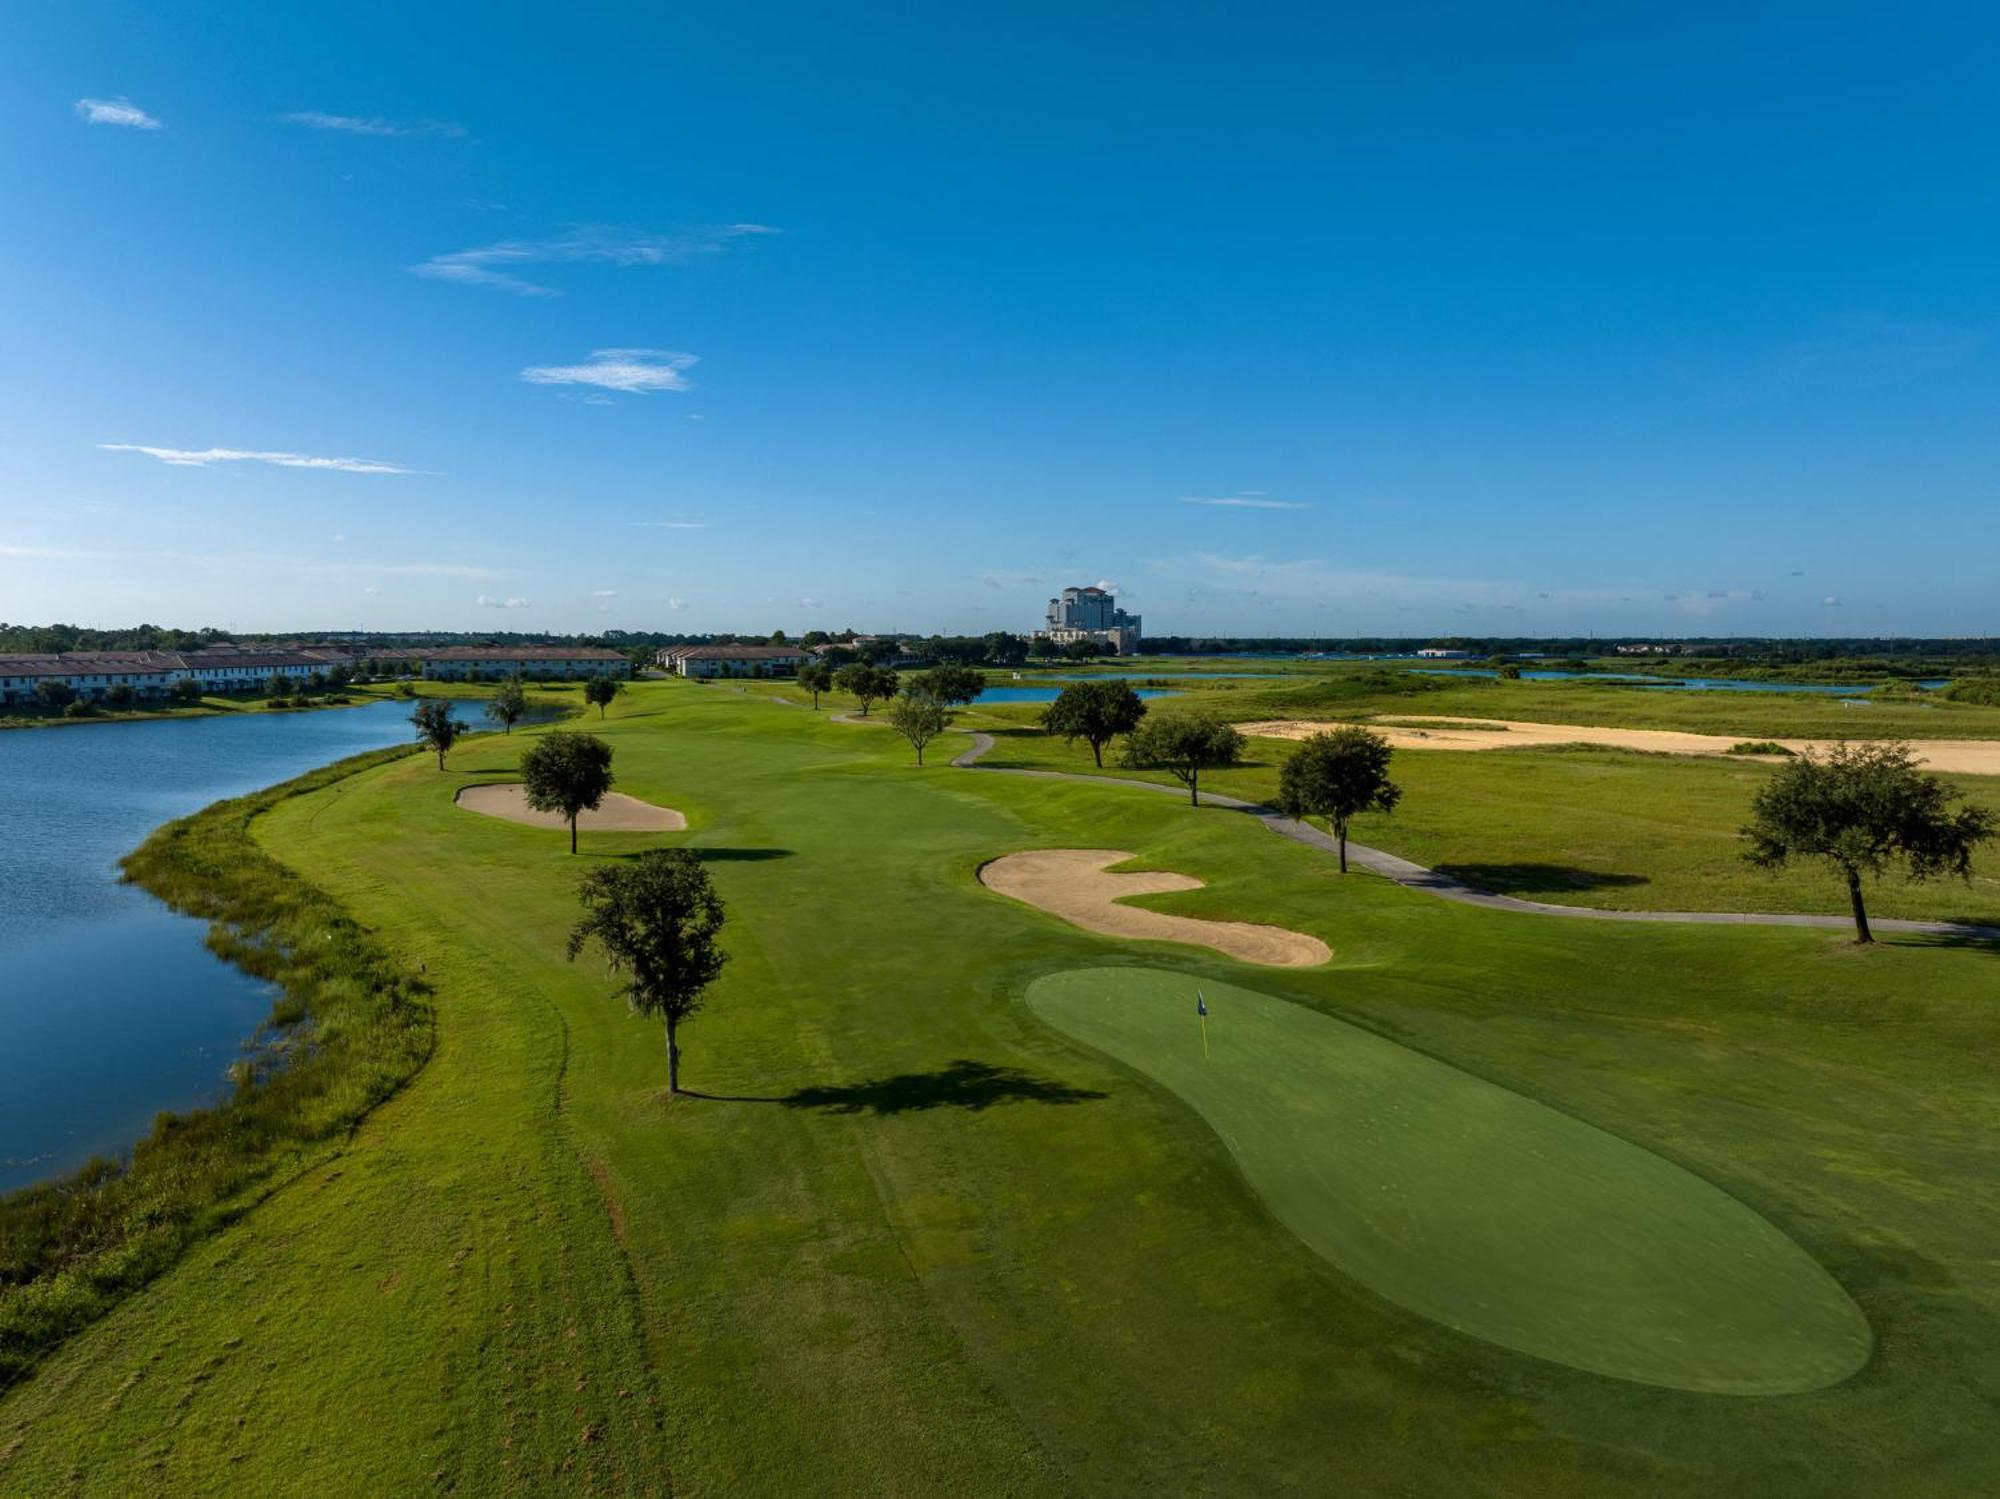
618 813
1978 757
1073 883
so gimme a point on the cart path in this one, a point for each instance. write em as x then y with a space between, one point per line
1417 877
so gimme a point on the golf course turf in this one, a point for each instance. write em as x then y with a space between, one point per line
913 1238
1596 1254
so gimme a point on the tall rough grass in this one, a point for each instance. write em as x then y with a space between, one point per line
348 1029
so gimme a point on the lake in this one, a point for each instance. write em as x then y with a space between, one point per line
111 1007
1683 684
1010 694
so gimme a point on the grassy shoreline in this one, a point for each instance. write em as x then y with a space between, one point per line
348 1028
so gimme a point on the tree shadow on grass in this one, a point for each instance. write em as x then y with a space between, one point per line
718 855
1536 879
964 1084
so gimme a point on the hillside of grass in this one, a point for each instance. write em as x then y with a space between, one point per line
911 1240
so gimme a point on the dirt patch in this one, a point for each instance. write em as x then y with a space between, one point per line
1074 883
1979 757
619 813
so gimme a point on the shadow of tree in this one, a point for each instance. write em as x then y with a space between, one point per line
964 1084
1530 878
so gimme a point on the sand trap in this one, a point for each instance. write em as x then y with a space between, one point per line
619 813
1073 883
1979 757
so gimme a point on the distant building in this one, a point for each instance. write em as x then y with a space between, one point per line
1090 614
1440 653
734 660
480 663
151 674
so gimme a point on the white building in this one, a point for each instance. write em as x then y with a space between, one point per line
734 660
1091 614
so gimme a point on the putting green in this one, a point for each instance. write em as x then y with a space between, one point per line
1475 1206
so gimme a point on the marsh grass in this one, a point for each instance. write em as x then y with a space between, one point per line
347 1029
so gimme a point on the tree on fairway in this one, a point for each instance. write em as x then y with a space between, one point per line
53 692
277 684
185 690
1184 745
1041 648
436 728
508 703
816 677
656 919
1084 650
568 773
950 684
600 691
1336 776
1095 712
919 718
869 683
1003 648
1862 808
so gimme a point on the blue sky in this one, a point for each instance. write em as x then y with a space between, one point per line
1285 319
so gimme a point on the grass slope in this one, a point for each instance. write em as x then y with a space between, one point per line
916 1242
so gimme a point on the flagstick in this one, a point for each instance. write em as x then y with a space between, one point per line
1204 1038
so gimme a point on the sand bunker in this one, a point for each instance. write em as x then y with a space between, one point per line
1979 757
618 814
1073 883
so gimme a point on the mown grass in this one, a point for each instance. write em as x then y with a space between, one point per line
913 1241
348 1028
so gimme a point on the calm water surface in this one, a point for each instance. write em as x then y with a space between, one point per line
1684 684
1011 694
111 1009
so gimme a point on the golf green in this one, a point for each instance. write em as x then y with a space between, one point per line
1471 1204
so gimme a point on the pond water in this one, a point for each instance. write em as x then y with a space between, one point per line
1012 694
1683 684
111 1007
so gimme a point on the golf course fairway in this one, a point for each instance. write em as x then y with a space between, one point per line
1471 1204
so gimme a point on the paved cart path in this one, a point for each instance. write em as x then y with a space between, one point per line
1417 877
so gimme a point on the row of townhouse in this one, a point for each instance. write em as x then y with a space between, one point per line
733 660
484 663
93 674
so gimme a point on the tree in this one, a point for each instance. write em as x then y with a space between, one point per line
1508 673
949 683
777 638
1337 776
277 684
1082 650
507 705
1860 809
919 718
1042 648
1184 745
656 919
1096 712
869 683
120 695
436 728
600 691
812 638
185 690
567 773
1002 648
816 677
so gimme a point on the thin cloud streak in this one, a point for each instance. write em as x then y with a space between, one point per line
119 111
635 372
490 266
1249 499
203 457
314 119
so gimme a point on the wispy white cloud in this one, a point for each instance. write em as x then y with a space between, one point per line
487 601
202 457
315 119
672 525
677 605
635 372
495 266
810 603
1829 602
1244 499
605 593
119 111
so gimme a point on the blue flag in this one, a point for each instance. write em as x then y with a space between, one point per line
1200 1004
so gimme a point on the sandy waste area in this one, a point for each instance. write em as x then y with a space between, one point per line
618 814
1074 883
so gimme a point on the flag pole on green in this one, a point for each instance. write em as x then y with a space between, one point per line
1201 1009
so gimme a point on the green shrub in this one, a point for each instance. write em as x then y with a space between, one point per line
1758 747
83 707
72 1247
